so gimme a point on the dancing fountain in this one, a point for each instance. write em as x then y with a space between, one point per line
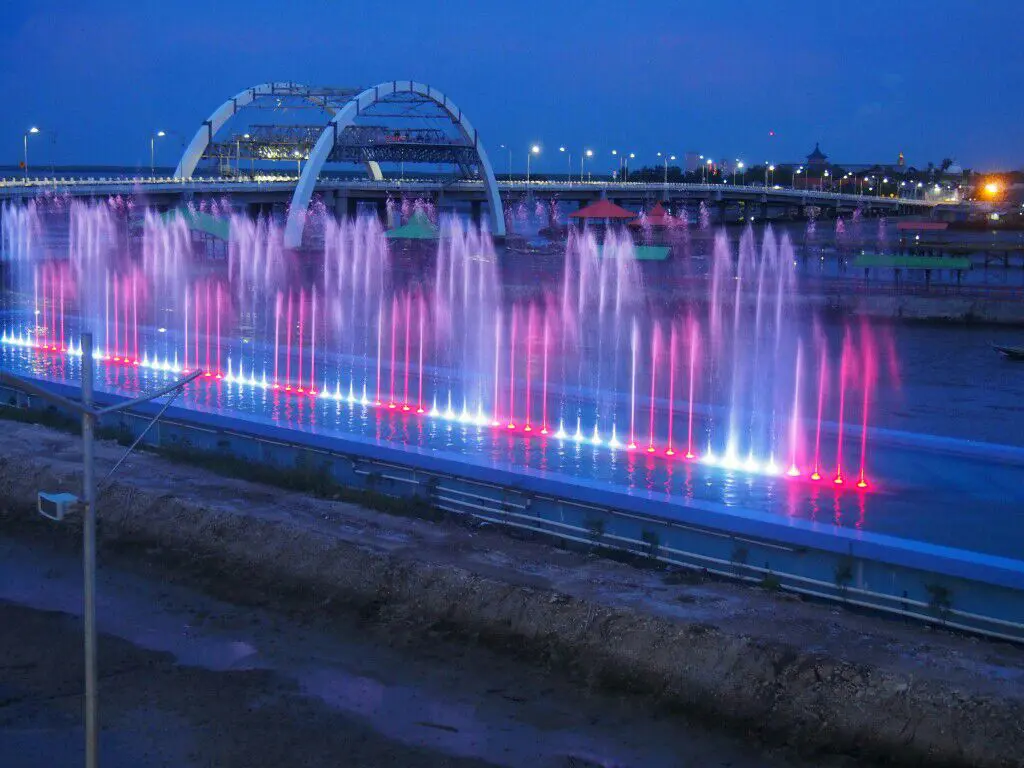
737 377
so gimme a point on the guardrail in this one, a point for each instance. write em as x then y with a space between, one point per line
326 182
953 588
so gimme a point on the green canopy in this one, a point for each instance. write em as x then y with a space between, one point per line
884 261
199 221
646 252
417 228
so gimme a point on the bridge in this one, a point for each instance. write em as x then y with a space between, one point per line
383 129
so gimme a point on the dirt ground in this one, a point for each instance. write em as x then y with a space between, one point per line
189 680
816 678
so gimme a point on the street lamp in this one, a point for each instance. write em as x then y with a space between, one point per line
585 154
508 168
87 409
31 131
666 158
821 186
238 159
771 176
569 163
707 166
534 150
737 167
152 150
796 173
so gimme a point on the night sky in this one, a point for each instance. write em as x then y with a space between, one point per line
867 79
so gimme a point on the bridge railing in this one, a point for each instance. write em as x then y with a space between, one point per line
506 185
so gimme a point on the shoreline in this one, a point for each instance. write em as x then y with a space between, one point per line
825 679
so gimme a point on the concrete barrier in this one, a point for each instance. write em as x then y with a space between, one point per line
955 588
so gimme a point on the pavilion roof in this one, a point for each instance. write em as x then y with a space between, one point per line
602 209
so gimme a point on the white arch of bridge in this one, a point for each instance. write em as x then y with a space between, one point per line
204 135
346 116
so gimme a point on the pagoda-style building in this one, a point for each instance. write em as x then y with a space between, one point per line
817 160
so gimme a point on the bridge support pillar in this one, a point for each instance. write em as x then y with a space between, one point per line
345 207
382 211
475 212
721 212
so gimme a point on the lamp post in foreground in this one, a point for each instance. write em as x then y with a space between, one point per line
89 413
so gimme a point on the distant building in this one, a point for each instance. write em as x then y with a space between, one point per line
817 160
900 161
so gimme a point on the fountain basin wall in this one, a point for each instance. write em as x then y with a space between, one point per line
956 588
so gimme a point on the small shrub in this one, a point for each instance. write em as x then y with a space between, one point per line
940 600
595 526
652 543
771 582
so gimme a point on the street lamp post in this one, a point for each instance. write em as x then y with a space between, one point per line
534 150
585 154
666 158
87 504
31 131
569 164
508 168
735 168
152 150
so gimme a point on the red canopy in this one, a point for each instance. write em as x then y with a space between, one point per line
656 217
602 209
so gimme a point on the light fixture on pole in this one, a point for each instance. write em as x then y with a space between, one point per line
666 158
534 150
252 170
569 158
31 131
737 167
61 503
508 168
152 150
584 155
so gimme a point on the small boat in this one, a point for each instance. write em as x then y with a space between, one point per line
1010 353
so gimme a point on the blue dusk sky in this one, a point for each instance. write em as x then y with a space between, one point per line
866 79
